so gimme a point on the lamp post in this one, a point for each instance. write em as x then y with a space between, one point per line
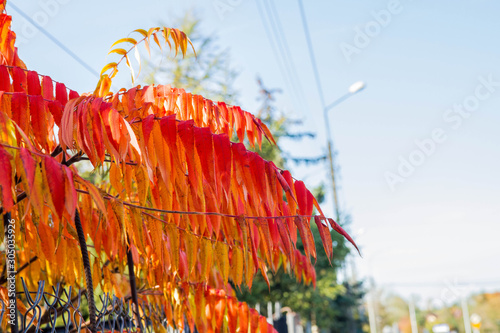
353 89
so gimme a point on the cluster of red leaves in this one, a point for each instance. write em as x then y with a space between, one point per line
195 209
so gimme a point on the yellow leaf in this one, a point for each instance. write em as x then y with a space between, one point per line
173 236
157 41
222 252
205 258
132 74
142 32
104 85
142 184
71 230
166 34
112 65
119 51
46 241
244 241
137 229
128 180
249 272
237 266
96 274
266 242
138 58
146 44
125 40
115 177
94 193
162 153
152 31
191 246
119 211
156 234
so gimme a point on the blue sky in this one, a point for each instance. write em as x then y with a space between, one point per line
441 223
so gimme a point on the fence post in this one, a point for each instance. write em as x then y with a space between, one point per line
88 272
10 248
133 286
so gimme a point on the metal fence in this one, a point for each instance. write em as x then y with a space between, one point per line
62 310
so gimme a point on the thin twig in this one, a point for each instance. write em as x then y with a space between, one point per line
109 197
26 70
83 158
23 195
3 279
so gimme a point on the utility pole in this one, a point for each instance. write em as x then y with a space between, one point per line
465 314
413 316
372 317
353 89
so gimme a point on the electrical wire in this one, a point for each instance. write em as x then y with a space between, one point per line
287 55
55 40
276 38
311 54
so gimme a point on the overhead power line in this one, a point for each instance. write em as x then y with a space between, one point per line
429 284
297 86
273 45
323 106
55 40
274 31
311 54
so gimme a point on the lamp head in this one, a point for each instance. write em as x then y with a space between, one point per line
357 87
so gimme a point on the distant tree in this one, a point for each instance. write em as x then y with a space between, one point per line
183 212
324 304
281 126
487 306
208 73
390 309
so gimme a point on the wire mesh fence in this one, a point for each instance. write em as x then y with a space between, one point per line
65 310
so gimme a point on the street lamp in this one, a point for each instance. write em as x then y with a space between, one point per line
353 89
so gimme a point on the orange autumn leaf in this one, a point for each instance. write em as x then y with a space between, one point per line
197 212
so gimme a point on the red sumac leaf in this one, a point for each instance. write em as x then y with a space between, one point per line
6 180
55 179
38 119
33 83
326 238
341 231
